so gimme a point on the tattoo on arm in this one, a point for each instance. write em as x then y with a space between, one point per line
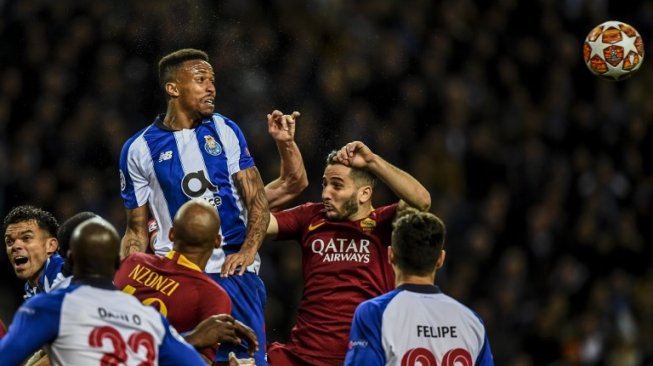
250 186
133 246
135 238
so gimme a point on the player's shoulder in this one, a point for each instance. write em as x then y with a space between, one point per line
137 258
137 143
48 301
377 305
136 136
462 309
221 120
313 208
385 212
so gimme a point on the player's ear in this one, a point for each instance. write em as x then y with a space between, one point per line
391 255
440 261
171 234
364 194
51 246
171 89
218 242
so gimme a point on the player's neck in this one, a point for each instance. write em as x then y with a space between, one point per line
363 212
404 279
176 119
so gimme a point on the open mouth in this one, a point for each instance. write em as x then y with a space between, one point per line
20 261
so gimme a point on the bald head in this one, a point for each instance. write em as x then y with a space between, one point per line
196 227
94 249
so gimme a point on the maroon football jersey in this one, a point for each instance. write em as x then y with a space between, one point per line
344 263
176 287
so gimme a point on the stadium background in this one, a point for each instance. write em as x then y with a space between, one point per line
542 172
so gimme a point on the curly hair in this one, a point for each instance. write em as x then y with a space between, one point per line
44 219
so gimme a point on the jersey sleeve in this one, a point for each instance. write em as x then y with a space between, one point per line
485 355
365 347
292 222
175 351
237 150
134 185
35 324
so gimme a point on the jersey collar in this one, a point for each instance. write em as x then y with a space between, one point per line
182 260
424 289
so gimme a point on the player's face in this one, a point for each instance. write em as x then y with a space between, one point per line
339 193
195 82
28 247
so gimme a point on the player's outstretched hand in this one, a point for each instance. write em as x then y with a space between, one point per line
233 361
237 262
355 154
282 126
247 333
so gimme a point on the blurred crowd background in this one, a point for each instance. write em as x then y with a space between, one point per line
542 172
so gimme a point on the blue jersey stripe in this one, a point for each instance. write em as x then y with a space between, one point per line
169 173
126 184
233 228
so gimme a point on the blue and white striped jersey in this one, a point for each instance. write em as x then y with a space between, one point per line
88 325
417 323
48 278
165 168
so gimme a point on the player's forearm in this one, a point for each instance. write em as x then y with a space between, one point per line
257 224
135 239
258 212
292 177
404 185
132 243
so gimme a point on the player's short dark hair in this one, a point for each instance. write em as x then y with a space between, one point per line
417 241
169 64
44 219
65 232
359 176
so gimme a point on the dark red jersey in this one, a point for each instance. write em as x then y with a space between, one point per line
344 263
176 287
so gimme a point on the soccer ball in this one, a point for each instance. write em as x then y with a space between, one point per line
613 50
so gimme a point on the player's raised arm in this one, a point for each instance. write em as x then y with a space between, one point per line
135 239
250 187
292 178
405 186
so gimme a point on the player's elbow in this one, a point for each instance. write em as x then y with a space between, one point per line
296 184
423 202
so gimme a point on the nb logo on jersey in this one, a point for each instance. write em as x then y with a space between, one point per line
195 185
166 155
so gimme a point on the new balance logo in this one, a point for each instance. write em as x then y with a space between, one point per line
166 155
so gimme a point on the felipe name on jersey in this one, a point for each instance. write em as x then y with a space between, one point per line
429 331
342 250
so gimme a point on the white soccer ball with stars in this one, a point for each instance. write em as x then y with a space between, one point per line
613 50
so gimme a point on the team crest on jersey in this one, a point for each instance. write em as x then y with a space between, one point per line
211 146
368 224
123 183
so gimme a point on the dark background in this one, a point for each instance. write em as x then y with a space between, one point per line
542 172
